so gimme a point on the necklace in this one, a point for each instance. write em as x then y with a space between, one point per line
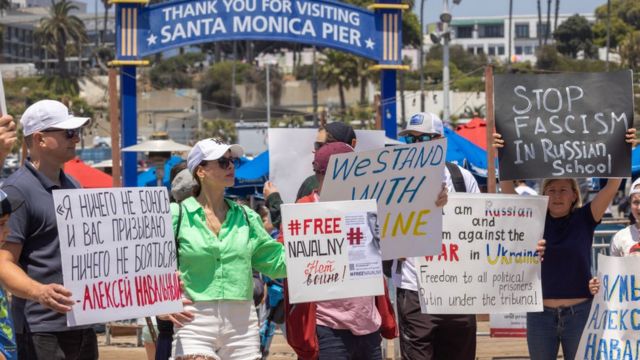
209 217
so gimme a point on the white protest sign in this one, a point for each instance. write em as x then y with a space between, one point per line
508 325
612 331
488 262
118 253
291 155
406 181
332 250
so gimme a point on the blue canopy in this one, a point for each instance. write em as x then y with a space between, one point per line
254 172
148 177
635 161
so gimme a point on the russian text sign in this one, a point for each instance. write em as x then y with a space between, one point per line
332 250
564 125
406 181
118 253
488 262
612 327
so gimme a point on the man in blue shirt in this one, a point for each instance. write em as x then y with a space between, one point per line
30 264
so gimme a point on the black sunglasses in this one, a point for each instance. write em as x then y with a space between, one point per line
68 133
225 162
412 139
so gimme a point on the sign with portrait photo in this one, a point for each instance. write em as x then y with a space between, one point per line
332 250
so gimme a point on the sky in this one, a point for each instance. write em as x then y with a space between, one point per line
433 8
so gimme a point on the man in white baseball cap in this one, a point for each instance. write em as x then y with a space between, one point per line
431 336
40 301
49 114
423 126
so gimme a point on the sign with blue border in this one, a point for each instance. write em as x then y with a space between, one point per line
146 30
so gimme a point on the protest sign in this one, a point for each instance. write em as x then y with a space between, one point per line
118 253
508 325
612 328
332 250
564 125
291 155
488 262
406 181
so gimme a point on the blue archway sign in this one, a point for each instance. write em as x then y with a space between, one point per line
142 30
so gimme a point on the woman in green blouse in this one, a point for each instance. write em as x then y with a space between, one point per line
219 243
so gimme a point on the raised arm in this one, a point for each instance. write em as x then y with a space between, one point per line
608 192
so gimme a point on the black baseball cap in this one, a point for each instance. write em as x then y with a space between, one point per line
341 132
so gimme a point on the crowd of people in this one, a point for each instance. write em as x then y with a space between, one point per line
221 244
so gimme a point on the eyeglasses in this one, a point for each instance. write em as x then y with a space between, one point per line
68 133
412 139
225 162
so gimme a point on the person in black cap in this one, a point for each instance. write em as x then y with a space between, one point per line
329 133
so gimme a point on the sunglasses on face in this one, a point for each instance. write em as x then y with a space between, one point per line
225 162
412 139
68 133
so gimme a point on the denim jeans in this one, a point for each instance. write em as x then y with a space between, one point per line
549 329
343 345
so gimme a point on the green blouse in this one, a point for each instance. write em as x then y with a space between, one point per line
220 267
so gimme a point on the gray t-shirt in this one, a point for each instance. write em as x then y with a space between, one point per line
33 225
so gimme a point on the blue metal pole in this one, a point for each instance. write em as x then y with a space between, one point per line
129 125
388 99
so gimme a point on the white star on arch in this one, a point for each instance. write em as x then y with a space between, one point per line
369 43
151 40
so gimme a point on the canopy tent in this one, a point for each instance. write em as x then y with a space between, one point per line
148 177
635 162
251 176
87 176
474 131
253 172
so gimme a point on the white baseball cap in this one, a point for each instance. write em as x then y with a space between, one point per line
635 189
424 122
48 114
210 149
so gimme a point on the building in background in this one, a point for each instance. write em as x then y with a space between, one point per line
489 35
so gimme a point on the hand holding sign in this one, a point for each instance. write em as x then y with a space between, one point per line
55 297
8 135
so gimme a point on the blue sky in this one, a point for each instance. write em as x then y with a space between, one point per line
433 8
480 7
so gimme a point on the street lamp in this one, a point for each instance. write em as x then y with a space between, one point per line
421 54
445 36
268 63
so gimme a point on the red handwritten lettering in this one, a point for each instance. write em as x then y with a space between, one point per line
322 226
151 289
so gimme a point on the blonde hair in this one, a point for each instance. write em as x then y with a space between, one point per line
574 186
